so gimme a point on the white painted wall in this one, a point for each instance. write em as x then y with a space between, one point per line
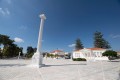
98 53
89 54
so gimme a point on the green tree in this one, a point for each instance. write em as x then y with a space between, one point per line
30 51
52 55
48 55
11 51
1 55
110 54
100 42
21 51
78 44
9 48
5 40
35 49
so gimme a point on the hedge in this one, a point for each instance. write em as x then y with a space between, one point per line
79 59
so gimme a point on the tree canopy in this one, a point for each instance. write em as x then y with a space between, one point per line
100 42
9 48
110 54
30 51
78 44
5 40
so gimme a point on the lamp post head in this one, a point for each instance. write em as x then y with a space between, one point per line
42 16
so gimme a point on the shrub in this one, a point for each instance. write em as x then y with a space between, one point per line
83 59
74 59
52 55
48 55
29 55
110 54
79 59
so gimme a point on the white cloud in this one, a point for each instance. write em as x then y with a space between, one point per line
71 45
8 1
23 27
115 36
18 40
7 11
4 12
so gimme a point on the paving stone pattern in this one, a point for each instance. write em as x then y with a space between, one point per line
60 69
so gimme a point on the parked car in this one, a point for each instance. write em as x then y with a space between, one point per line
67 57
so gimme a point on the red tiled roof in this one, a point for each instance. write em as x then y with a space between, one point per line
56 51
92 49
96 48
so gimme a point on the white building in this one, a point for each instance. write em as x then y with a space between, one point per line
90 54
58 52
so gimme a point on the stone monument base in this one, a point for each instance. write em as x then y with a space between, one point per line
37 60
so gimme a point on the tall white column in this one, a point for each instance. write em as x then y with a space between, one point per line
42 16
37 57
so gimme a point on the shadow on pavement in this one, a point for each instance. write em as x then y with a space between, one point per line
63 65
11 65
113 61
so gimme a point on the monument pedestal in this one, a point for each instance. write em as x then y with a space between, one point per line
37 60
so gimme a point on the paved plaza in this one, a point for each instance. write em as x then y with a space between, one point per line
60 69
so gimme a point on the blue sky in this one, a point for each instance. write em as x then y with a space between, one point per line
66 21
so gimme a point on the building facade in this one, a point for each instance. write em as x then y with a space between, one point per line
90 54
58 52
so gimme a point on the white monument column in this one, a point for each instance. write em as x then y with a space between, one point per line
37 57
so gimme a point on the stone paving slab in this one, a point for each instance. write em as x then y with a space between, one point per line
59 69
